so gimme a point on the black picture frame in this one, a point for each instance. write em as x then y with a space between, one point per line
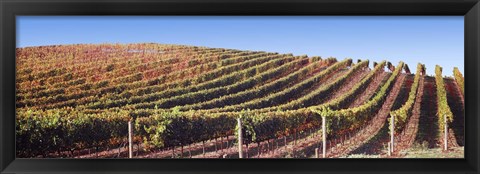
470 9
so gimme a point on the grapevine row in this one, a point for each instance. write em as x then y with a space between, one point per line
241 85
94 88
139 86
278 98
352 118
318 95
459 79
80 69
405 111
258 126
263 90
343 101
228 78
443 108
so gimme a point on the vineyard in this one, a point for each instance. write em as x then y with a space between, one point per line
175 101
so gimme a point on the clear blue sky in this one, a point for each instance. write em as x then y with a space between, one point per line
429 39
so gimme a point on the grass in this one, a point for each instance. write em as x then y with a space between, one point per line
420 151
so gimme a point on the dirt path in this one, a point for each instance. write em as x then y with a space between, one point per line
120 152
303 143
457 110
428 121
457 106
372 128
377 145
452 140
268 149
409 133
189 151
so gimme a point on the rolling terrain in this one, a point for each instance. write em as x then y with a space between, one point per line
77 101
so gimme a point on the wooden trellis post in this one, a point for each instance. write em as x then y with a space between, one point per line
240 138
389 149
130 136
324 137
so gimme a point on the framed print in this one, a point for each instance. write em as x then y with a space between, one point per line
254 86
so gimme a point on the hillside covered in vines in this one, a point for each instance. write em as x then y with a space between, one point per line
76 101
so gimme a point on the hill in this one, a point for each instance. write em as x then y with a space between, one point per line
76 97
